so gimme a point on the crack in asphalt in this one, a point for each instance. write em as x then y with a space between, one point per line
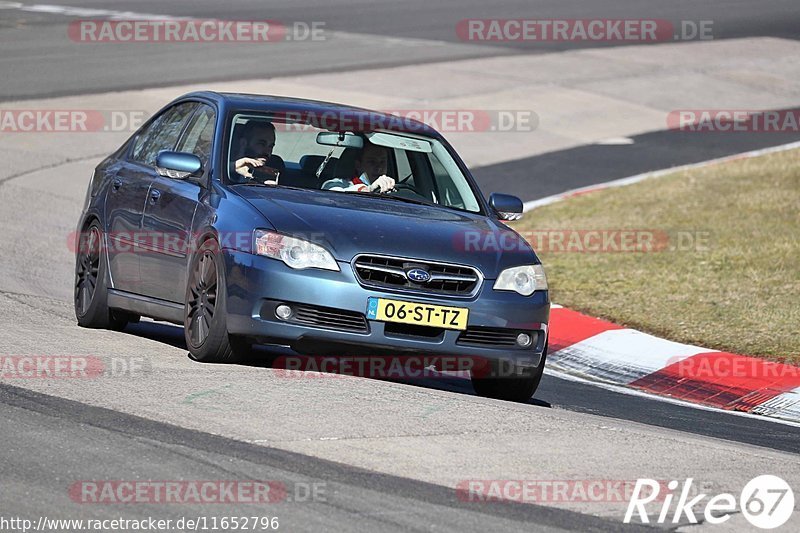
67 161
20 299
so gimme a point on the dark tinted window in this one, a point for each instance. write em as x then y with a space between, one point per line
162 133
199 135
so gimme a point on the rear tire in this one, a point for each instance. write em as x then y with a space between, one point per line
205 310
519 388
91 283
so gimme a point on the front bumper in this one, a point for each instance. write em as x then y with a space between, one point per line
256 284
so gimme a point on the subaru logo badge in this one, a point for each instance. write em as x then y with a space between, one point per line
418 275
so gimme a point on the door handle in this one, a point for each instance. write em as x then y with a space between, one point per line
116 184
155 194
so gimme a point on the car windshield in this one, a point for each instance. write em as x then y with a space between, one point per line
277 151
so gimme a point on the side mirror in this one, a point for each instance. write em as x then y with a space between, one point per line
177 165
508 207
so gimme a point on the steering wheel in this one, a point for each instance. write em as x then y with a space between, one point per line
404 190
400 185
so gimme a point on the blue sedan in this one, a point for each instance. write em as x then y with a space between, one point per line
323 228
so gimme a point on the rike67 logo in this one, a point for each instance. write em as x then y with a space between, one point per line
766 502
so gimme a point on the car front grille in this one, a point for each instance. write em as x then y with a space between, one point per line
390 273
481 336
321 317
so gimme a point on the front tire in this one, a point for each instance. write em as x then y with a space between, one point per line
519 386
91 283
205 310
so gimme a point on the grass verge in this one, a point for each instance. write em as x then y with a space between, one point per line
717 261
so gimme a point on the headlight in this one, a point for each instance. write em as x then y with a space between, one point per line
296 253
523 279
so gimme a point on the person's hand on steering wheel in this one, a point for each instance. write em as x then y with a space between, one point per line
383 184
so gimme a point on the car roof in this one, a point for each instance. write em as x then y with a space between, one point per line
242 102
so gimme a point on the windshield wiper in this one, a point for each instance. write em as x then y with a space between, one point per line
409 200
262 184
393 197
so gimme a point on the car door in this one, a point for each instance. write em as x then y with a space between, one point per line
169 212
124 206
128 194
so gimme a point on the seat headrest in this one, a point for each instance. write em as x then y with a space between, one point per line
310 163
346 165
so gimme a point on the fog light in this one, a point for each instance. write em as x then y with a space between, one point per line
283 312
524 340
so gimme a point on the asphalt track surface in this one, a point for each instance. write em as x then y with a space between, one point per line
364 33
50 441
110 446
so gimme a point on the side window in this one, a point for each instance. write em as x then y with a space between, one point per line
199 135
162 133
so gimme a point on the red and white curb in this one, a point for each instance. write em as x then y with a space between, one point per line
603 352
598 350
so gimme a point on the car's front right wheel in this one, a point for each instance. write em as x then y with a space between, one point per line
504 381
205 327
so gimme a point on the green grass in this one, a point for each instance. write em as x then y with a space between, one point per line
738 291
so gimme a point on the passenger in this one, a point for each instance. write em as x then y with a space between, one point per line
371 164
253 150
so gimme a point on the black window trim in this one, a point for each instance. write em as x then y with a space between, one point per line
129 151
185 130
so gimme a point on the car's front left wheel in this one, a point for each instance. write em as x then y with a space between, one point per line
205 310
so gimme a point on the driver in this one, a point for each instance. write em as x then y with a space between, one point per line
253 156
370 164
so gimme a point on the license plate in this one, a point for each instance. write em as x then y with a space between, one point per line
436 316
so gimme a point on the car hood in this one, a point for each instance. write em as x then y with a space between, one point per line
350 224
